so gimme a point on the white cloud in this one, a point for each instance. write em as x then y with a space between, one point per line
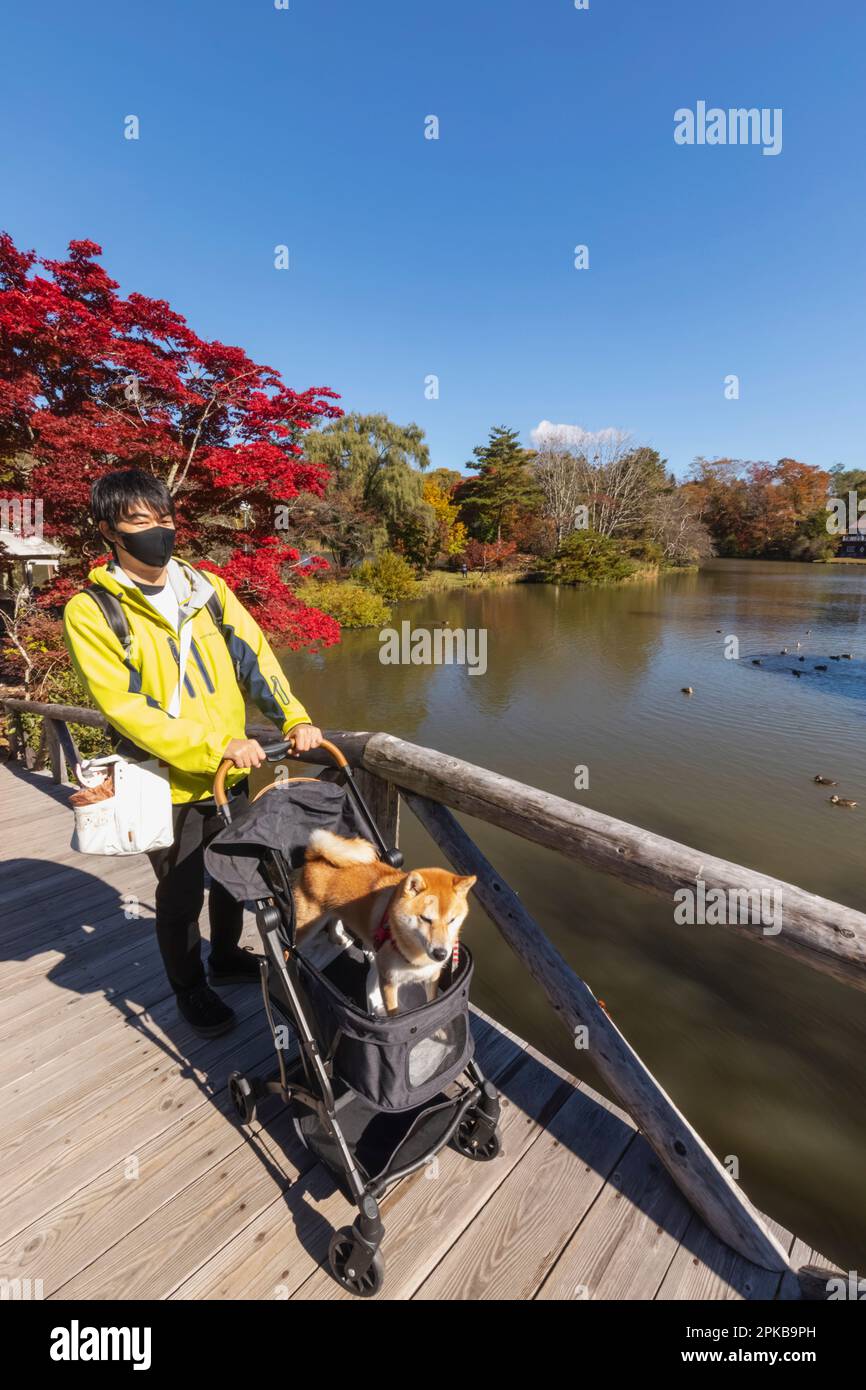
574 436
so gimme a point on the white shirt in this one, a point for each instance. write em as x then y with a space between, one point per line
164 600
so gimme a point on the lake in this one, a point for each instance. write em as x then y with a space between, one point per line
766 1058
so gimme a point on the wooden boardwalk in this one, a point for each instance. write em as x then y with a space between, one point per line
123 1173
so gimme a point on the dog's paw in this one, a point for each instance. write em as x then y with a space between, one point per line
337 935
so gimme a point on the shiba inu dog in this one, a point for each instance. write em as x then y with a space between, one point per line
410 920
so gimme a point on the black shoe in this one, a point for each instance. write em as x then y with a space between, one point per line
238 967
205 1012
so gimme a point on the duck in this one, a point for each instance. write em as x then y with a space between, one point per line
795 672
842 801
820 668
835 658
801 658
824 781
846 656
687 690
783 652
756 661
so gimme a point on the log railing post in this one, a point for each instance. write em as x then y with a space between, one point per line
383 799
56 757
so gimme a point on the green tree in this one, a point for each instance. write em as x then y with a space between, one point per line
501 491
389 575
374 459
446 478
585 557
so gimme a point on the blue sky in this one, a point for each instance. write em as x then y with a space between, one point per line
305 127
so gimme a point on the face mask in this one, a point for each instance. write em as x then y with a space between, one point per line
151 547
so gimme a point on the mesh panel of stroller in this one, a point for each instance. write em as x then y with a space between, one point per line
395 1062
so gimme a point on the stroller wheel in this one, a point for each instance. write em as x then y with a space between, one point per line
243 1098
341 1252
465 1142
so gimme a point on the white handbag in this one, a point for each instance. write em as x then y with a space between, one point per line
137 817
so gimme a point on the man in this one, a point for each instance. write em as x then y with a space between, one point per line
135 688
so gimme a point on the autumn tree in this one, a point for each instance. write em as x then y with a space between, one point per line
489 555
451 532
761 509
92 381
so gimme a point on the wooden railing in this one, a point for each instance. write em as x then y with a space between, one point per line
817 932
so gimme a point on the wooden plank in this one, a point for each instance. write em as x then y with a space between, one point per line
508 1250
87 1182
49 1161
194 1166
624 1246
139 975
59 876
692 1165
50 957
706 1269
823 934
162 1250
86 902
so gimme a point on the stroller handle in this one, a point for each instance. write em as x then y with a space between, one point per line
273 752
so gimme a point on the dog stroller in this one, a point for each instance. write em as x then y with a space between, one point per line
373 1097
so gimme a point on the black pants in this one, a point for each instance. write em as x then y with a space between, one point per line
180 887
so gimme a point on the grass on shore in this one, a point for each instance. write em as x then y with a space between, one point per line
438 580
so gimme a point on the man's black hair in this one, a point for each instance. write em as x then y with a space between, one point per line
114 495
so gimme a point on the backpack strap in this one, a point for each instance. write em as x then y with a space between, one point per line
214 607
112 610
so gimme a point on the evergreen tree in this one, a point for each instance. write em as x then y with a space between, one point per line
501 490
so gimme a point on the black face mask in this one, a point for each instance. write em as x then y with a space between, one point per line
151 547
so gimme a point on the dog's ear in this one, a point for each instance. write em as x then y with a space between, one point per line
415 883
462 885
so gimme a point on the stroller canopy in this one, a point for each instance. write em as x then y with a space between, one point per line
283 819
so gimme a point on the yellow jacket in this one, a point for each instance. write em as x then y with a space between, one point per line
133 690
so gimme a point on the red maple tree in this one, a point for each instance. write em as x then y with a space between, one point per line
91 381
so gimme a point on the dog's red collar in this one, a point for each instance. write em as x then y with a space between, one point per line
382 932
